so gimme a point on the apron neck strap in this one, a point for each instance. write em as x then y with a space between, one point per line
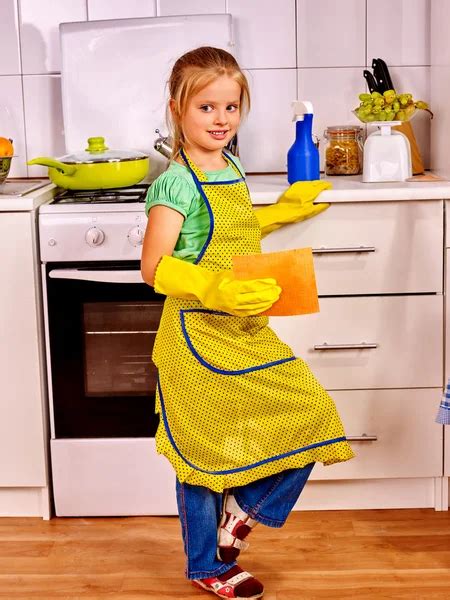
198 173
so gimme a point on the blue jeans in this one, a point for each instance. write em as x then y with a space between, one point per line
269 501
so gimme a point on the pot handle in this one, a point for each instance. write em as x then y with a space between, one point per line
55 164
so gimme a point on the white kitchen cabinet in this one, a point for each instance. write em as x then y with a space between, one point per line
23 466
377 346
372 247
370 341
387 439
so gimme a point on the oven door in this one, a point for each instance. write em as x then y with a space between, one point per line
102 321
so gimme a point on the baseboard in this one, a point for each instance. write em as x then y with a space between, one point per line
25 502
370 494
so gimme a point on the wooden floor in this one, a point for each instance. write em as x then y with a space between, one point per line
380 554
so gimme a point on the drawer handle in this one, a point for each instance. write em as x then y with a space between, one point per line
362 438
324 250
361 346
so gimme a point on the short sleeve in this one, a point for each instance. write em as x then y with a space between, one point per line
171 190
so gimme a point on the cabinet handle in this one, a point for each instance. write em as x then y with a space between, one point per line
361 346
357 249
362 438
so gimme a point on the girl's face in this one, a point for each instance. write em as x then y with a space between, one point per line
212 116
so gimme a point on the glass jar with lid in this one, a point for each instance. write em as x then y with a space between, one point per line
343 154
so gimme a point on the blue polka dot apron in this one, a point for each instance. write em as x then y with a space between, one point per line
235 404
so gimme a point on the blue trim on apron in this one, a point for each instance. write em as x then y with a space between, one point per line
208 365
238 469
199 187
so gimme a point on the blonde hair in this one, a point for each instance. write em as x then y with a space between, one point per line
191 73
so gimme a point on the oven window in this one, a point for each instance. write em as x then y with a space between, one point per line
118 343
101 340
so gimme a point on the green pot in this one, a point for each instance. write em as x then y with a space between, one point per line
96 168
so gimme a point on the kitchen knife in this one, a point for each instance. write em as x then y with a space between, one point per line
379 76
370 79
386 75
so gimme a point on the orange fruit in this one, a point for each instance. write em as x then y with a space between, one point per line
6 147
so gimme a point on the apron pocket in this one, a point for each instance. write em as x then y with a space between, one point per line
232 345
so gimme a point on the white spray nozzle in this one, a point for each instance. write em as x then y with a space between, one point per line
300 108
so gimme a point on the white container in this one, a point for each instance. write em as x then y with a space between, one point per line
387 154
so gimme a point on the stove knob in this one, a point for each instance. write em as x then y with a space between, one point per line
136 236
94 237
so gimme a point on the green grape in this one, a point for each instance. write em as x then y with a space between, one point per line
389 96
388 106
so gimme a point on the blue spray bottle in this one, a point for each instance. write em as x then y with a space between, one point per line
303 156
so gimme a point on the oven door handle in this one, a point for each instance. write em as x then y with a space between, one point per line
111 276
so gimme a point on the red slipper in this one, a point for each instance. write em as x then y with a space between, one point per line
235 525
235 583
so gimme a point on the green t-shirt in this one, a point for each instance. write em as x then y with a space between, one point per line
176 189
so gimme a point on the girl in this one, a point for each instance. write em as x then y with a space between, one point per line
242 419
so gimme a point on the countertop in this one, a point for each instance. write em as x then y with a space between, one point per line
30 201
265 189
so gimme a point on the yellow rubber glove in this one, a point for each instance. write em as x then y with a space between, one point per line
217 291
295 204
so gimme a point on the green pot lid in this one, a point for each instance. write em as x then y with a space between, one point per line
98 152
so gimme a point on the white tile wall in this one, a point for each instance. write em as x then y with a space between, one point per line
440 86
43 118
39 35
11 121
120 9
193 7
265 33
265 135
9 40
314 48
399 31
329 35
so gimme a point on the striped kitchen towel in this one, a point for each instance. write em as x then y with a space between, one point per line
443 415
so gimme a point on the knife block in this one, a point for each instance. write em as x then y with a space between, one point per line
416 159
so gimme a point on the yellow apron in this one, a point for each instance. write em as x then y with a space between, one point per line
235 404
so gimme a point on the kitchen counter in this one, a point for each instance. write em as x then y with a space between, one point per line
265 189
11 202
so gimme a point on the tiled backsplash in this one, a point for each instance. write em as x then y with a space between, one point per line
310 49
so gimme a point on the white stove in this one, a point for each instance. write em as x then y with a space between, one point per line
96 225
100 318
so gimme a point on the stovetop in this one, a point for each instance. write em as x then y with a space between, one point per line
135 193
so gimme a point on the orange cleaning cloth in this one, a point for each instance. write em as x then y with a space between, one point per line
294 273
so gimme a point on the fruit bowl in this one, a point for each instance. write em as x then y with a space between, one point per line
370 119
388 106
5 165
